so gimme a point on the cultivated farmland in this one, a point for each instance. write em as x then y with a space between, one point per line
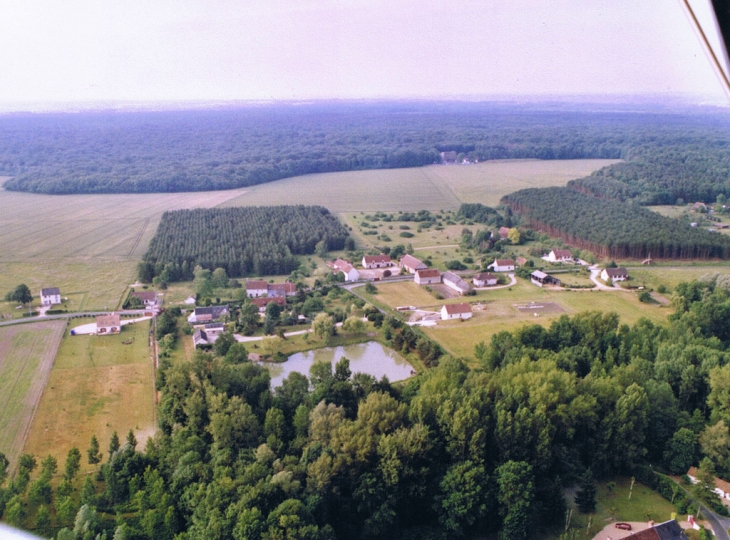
434 187
98 384
85 244
26 357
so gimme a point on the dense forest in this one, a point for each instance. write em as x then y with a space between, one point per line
664 175
229 148
243 241
614 229
451 453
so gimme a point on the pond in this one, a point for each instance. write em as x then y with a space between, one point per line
371 358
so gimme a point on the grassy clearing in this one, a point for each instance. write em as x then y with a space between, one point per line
87 245
98 384
26 358
460 338
614 505
655 276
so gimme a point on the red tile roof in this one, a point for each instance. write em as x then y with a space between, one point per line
263 302
504 262
453 309
376 259
256 284
429 272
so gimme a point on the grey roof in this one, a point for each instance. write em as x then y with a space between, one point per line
50 291
213 311
215 326
539 275
456 280
670 530
617 272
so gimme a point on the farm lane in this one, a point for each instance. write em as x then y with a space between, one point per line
73 315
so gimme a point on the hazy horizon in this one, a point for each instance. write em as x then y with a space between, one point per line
80 54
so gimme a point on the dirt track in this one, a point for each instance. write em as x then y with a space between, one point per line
27 353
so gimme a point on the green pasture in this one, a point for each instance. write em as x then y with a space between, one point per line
26 357
98 384
654 276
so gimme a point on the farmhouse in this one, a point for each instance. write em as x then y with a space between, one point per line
502 265
50 296
410 263
148 298
376 261
282 289
669 530
456 311
207 314
615 274
428 276
208 334
256 288
349 271
722 488
560 255
485 279
454 282
541 278
261 303
108 324
503 233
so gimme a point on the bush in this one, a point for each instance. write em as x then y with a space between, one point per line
406 234
455 265
645 297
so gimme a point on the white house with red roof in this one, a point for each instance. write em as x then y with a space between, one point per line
560 255
456 311
484 279
349 271
376 261
256 288
427 276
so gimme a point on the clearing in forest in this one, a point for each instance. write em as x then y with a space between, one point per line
98 384
26 357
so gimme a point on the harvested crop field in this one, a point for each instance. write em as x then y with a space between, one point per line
98 384
27 352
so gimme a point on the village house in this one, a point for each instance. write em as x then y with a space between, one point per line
503 233
376 261
261 303
455 283
202 315
615 274
502 265
256 288
484 279
560 255
50 296
722 488
148 298
208 334
108 324
427 277
282 289
456 311
540 278
410 263
349 271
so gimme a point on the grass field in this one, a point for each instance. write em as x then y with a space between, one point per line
670 277
501 313
434 187
26 357
83 244
98 384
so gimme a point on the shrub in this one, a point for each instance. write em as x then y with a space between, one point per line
406 234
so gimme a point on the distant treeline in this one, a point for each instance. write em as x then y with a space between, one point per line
614 229
243 241
663 175
222 149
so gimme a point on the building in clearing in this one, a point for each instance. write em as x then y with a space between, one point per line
204 315
50 296
376 261
615 274
541 278
410 263
722 488
427 277
456 311
502 265
108 324
256 288
484 279
261 303
560 255
148 298
455 283
208 334
349 271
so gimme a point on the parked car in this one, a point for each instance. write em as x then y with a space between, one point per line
623 526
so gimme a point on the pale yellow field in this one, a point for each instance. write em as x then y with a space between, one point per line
98 384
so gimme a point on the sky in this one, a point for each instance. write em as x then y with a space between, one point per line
99 51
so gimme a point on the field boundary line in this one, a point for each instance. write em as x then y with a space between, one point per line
439 183
139 238
46 375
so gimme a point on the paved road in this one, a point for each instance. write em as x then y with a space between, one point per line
720 524
73 315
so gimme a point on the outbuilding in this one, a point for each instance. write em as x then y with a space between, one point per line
427 276
456 311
